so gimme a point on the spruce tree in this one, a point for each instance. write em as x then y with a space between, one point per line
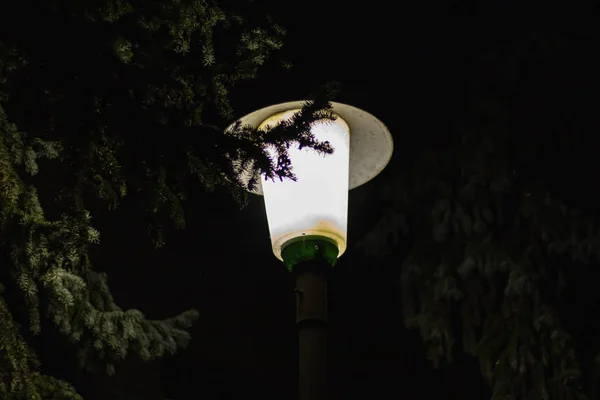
484 221
107 99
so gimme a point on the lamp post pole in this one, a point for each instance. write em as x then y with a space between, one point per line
310 261
311 320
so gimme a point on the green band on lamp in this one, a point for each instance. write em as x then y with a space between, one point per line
309 248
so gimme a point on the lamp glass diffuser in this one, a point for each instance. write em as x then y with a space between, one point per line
316 204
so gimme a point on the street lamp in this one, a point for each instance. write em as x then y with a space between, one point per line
308 217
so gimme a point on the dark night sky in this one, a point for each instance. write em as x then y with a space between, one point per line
410 66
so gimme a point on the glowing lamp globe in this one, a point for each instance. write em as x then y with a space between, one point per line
316 204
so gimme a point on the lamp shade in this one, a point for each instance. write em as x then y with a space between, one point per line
316 205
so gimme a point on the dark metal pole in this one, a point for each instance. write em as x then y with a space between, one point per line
311 319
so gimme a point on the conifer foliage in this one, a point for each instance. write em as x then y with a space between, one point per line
104 99
486 219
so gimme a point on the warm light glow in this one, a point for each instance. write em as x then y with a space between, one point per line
317 203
